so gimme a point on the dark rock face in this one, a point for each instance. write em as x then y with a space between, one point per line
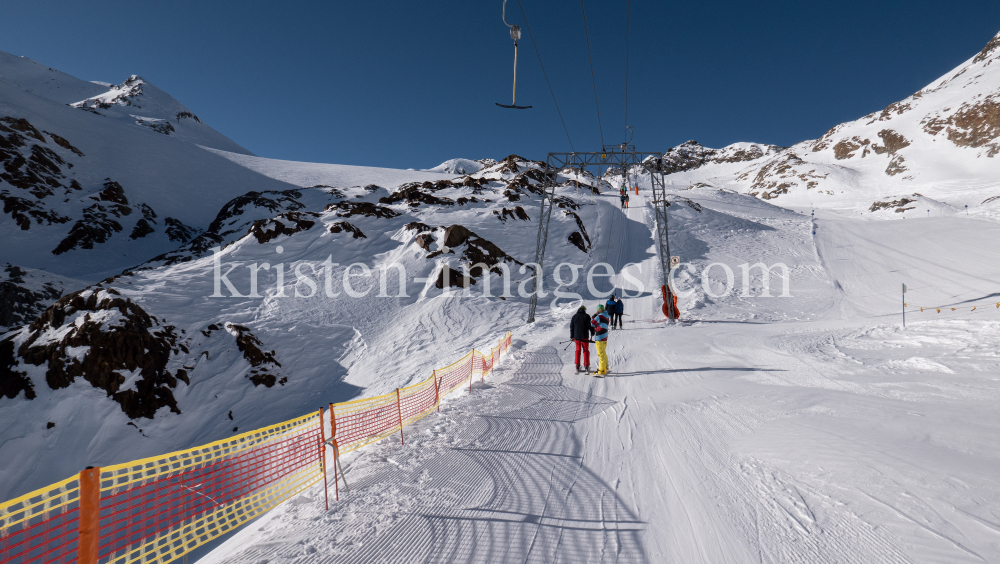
478 252
178 232
31 170
20 303
991 47
251 212
23 211
13 382
687 156
579 238
366 209
416 193
892 142
95 227
141 229
899 204
157 125
108 337
250 346
341 226
418 227
113 192
972 125
456 235
518 213
186 115
287 223
273 202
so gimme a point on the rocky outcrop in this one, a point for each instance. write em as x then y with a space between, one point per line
342 226
780 174
473 251
416 193
579 238
110 342
899 205
517 213
124 94
365 209
141 229
178 232
972 125
23 300
263 362
100 220
234 214
288 223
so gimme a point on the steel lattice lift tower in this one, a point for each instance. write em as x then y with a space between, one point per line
623 156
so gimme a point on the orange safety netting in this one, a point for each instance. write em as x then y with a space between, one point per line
157 509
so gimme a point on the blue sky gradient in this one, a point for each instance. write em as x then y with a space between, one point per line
411 84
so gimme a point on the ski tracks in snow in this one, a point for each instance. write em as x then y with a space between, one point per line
496 477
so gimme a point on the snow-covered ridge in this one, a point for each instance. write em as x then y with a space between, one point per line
941 142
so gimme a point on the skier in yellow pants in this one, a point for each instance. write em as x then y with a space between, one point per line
600 323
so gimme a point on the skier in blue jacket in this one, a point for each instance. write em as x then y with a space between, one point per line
600 324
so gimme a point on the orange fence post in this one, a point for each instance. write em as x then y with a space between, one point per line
322 453
437 394
90 516
399 408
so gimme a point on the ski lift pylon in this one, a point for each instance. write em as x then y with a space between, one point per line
515 34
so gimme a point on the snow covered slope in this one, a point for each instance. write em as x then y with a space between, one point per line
941 144
86 196
800 429
136 101
254 357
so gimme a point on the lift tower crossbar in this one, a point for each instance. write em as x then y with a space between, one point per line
625 158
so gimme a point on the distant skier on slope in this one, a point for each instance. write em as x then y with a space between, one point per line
619 311
624 199
600 323
581 330
610 307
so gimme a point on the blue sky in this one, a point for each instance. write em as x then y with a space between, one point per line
411 84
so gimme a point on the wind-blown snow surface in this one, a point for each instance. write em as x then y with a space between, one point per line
810 428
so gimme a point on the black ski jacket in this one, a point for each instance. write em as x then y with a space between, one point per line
580 328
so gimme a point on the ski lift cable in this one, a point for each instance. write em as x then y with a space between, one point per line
539 55
627 6
592 77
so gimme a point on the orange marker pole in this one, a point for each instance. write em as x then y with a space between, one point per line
90 516
437 393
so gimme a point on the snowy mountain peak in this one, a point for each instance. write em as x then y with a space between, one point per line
945 134
124 94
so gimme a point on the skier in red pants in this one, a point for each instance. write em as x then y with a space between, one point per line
581 330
